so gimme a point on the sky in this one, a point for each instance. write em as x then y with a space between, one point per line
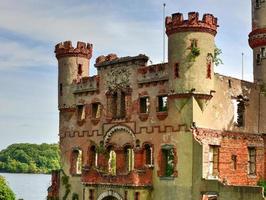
29 30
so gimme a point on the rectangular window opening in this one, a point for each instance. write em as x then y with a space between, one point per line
257 3
137 196
162 103
81 112
258 59
144 104
168 162
263 52
91 195
213 160
251 160
61 89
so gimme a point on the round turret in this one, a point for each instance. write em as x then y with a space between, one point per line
257 40
73 65
190 52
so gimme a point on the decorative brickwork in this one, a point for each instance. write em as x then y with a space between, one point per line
66 49
176 23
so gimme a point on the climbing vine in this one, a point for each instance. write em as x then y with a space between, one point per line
65 182
194 53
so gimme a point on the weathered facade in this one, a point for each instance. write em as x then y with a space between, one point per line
173 130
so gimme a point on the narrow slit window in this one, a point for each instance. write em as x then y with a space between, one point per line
129 158
137 196
61 89
209 70
258 59
194 43
234 161
263 52
91 195
79 69
162 103
144 104
176 70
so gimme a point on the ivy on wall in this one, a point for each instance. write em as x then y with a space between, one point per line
66 184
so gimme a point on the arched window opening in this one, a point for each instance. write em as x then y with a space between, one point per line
112 161
148 154
76 164
129 158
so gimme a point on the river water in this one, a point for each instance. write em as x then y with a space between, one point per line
28 186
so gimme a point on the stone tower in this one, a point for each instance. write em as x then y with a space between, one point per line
257 40
190 52
73 65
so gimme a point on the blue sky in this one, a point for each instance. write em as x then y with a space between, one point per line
29 29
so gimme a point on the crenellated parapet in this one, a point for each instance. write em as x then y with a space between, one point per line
65 49
176 23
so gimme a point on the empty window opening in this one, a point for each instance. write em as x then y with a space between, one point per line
176 70
93 157
257 3
112 162
162 103
129 158
137 196
239 112
168 162
61 89
213 160
234 161
144 104
91 195
81 112
126 195
96 110
76 161
209 197
251 160
119 104
148 154
79 69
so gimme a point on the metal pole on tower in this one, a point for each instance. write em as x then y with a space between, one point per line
164 32
242 66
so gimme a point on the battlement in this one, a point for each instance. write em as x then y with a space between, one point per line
176 23
65 49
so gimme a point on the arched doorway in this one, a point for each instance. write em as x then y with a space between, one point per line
109 198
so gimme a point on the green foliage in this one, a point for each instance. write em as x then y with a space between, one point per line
30 158
262 183
217 52
5 192
194 53
75 196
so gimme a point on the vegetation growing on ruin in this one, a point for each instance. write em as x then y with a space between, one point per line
5 192
30 158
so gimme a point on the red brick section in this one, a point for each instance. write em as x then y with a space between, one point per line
53 190
235 143
133 178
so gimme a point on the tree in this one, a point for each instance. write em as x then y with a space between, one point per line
5 192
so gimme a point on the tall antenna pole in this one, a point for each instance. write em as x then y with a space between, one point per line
164 32
242 66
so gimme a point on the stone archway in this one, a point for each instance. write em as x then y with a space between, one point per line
117 132
109 198
110 195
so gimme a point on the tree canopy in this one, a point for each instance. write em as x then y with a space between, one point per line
30 158
5 192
